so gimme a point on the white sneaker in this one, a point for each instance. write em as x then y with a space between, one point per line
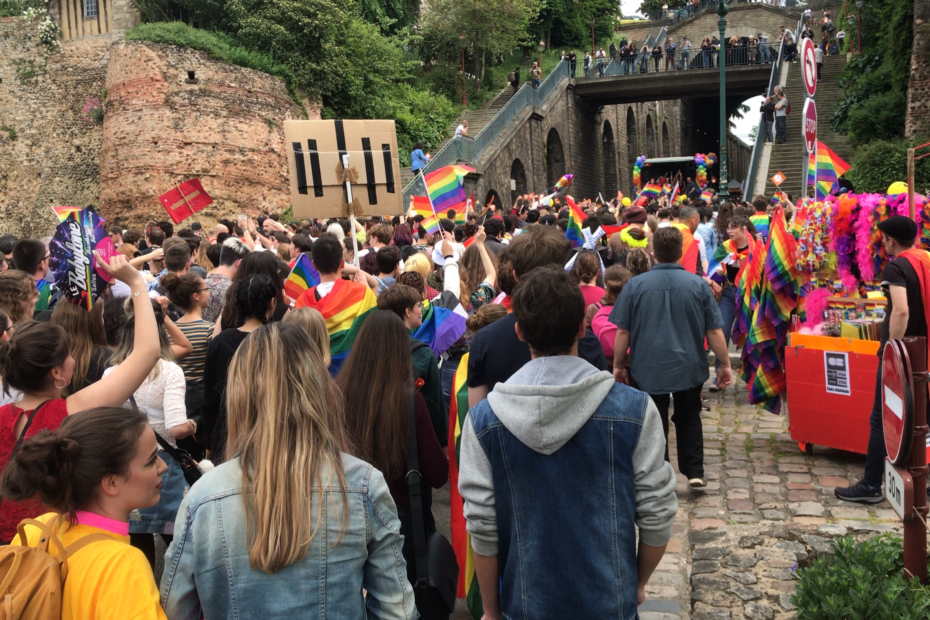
697 483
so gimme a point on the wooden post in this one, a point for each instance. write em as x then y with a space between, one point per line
910 182
345 166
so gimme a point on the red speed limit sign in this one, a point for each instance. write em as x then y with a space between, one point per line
808 66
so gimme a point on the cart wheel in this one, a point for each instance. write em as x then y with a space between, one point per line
806 448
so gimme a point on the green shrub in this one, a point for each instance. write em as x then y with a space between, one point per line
218 45
864 581
879 164
880 117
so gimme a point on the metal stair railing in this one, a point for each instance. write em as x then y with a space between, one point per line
469 150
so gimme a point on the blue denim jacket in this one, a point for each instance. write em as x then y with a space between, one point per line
567 542
207 564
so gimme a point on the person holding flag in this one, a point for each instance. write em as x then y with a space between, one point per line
906 286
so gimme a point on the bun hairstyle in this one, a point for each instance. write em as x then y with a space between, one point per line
32 352
64 468
484 316
253 298
181 289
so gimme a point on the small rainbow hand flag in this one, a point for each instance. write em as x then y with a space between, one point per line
651 190
303 276
575 217
64 212
422 206
707 194
444 187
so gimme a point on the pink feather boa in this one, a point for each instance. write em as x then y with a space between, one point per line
814 305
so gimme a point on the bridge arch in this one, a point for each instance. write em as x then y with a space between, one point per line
518 176
632 137
609 161
666 145
492 193
650 138
555 158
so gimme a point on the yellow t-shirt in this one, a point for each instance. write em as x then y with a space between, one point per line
107 580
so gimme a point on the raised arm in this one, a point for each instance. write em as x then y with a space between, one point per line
489 269
118 386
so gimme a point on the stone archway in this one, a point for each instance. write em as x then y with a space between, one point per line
518 178
492 193
555 158
650 138
609 161
632 137
666 147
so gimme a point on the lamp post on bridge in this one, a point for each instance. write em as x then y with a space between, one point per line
722 10
859 4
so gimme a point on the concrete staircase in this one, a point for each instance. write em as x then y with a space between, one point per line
477 119
789 157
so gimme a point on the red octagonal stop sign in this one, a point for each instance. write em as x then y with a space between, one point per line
897 402
809 127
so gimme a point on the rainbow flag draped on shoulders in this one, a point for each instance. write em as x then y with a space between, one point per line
443 322
775 293
690 252
461 541
761 222
303 276
575 217
345 309
824 171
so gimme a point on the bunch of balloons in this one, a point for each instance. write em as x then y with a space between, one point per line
700 176
637 172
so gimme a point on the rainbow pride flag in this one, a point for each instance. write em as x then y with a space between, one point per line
652 190
64 212
575 217
345 309
461 213
690 252
667 189
825 171
443 322
761 222
707 194
461 541
444 187
303 276
422 206
674 195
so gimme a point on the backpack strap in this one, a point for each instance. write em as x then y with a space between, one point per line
49 535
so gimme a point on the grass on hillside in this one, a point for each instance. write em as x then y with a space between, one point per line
218 45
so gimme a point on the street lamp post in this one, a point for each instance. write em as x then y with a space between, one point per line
722 10
541 48
593 21
859 4
463 44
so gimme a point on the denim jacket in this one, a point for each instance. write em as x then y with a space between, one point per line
207 565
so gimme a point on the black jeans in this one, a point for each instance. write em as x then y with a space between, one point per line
690 434
875 457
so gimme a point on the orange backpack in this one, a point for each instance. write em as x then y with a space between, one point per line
32 579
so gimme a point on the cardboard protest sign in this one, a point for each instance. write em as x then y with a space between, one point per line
72 260
317 179
185 200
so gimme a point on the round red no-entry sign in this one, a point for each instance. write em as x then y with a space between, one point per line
808 67
897 402
809 124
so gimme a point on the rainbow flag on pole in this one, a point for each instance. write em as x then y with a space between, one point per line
422 206
461 541
824 172
674 195
345 309
575 217
303 276
444 187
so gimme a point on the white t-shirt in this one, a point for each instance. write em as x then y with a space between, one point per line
162 398
460 131
324 288
818 54
599 54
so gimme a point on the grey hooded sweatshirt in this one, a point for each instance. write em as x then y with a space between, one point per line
544 405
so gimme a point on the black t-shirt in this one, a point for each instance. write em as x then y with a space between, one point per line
216 367
496 353
899 272
732 270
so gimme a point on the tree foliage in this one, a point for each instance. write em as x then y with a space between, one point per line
567 23
881 162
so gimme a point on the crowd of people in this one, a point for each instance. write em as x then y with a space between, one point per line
268 440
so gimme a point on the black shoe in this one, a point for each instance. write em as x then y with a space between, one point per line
860 493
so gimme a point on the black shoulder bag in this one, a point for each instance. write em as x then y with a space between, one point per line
437 569
184 459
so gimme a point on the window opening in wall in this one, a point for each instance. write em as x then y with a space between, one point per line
90 8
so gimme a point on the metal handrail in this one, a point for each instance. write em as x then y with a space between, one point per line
736 56
469 150
755 160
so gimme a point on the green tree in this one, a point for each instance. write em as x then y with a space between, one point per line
390 16
490 27
653 8
567 23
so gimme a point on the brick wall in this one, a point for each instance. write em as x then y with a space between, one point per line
53 158
917 122
160 130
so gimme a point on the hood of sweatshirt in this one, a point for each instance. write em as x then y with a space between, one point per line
548 400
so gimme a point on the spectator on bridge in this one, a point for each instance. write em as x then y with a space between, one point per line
586 65
670 48
600 56
706 48
685 53
785 34
715 51
573 59
768 109
764 52
657 56
515 82
613 51
753 51
624 55
644 58
781 116
536 75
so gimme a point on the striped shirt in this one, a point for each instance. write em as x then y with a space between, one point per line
199 333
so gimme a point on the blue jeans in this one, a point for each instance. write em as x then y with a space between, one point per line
781 128
875 457
625 66
705 58
536 83
764 54
447 374
768 131
727 305
686 60
587 72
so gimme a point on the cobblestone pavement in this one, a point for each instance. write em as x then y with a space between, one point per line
767 510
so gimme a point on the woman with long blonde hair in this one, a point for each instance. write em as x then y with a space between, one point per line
290 512
87 339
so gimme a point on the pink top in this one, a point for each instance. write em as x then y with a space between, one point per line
605 331
592 294
102 523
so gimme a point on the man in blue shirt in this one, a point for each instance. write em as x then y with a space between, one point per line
418 160
662 317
